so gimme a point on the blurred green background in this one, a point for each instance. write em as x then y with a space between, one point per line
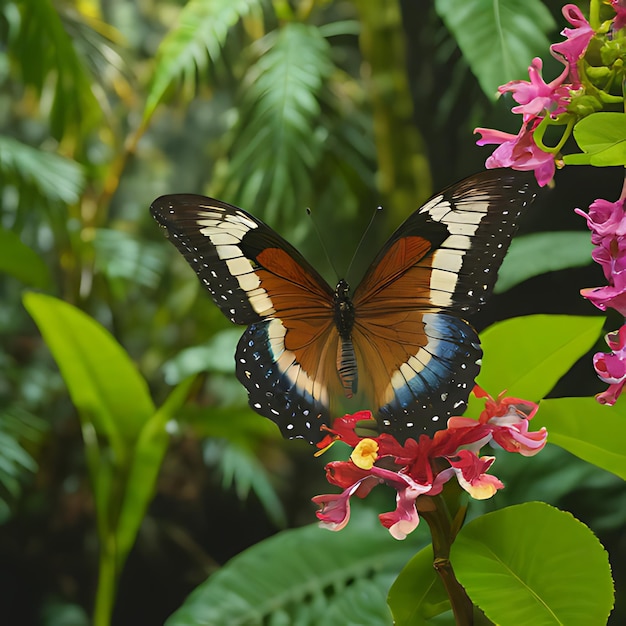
274 106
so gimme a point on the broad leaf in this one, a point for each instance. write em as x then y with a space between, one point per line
296 570
539 253
145 464
418 593
534 564
526 356
196 40
602 138
591 431
103 382
20 261
498 38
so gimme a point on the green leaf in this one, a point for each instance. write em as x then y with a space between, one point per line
18 260
503 38
198 38
528 355
534 564
55 177
307 567
539 253
47 57
103 382
147 457
418 593
591 431
241 468
602 138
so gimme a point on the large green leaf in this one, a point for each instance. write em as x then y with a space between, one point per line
528 355
20 261
196 39
538 253
591 431
103 382
498 38
305 569
418 593
534 564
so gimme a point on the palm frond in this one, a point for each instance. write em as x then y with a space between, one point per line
278 140
17 427
196 41
53 177
49 61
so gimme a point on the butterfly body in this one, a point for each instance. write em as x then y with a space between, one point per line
399 339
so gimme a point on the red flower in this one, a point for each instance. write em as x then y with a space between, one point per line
421 468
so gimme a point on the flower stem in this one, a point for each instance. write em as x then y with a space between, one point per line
435 511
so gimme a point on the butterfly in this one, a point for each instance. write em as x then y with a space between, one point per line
400 337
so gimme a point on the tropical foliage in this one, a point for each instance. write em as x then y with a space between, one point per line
131 468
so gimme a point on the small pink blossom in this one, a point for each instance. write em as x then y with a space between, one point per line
537 96
611 368
605 219
620 18
519 152
578 38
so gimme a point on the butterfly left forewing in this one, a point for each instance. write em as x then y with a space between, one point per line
419 355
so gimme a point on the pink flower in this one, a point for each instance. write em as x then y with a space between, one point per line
611 368
519 152
605 219
620 19
537 96
578 38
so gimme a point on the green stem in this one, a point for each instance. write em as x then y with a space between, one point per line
594 14
107 584
436 514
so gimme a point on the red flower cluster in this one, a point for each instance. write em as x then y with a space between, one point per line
422 467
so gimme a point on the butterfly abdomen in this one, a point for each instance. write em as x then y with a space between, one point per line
344 321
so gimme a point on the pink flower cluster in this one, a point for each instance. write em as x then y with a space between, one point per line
420 468
538 100
607 222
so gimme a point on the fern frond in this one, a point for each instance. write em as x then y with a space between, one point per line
50 175
48 60
196 40
279 139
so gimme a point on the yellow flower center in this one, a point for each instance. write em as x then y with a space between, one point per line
365 453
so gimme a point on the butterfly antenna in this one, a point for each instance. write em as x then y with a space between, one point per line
367 230
321 240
